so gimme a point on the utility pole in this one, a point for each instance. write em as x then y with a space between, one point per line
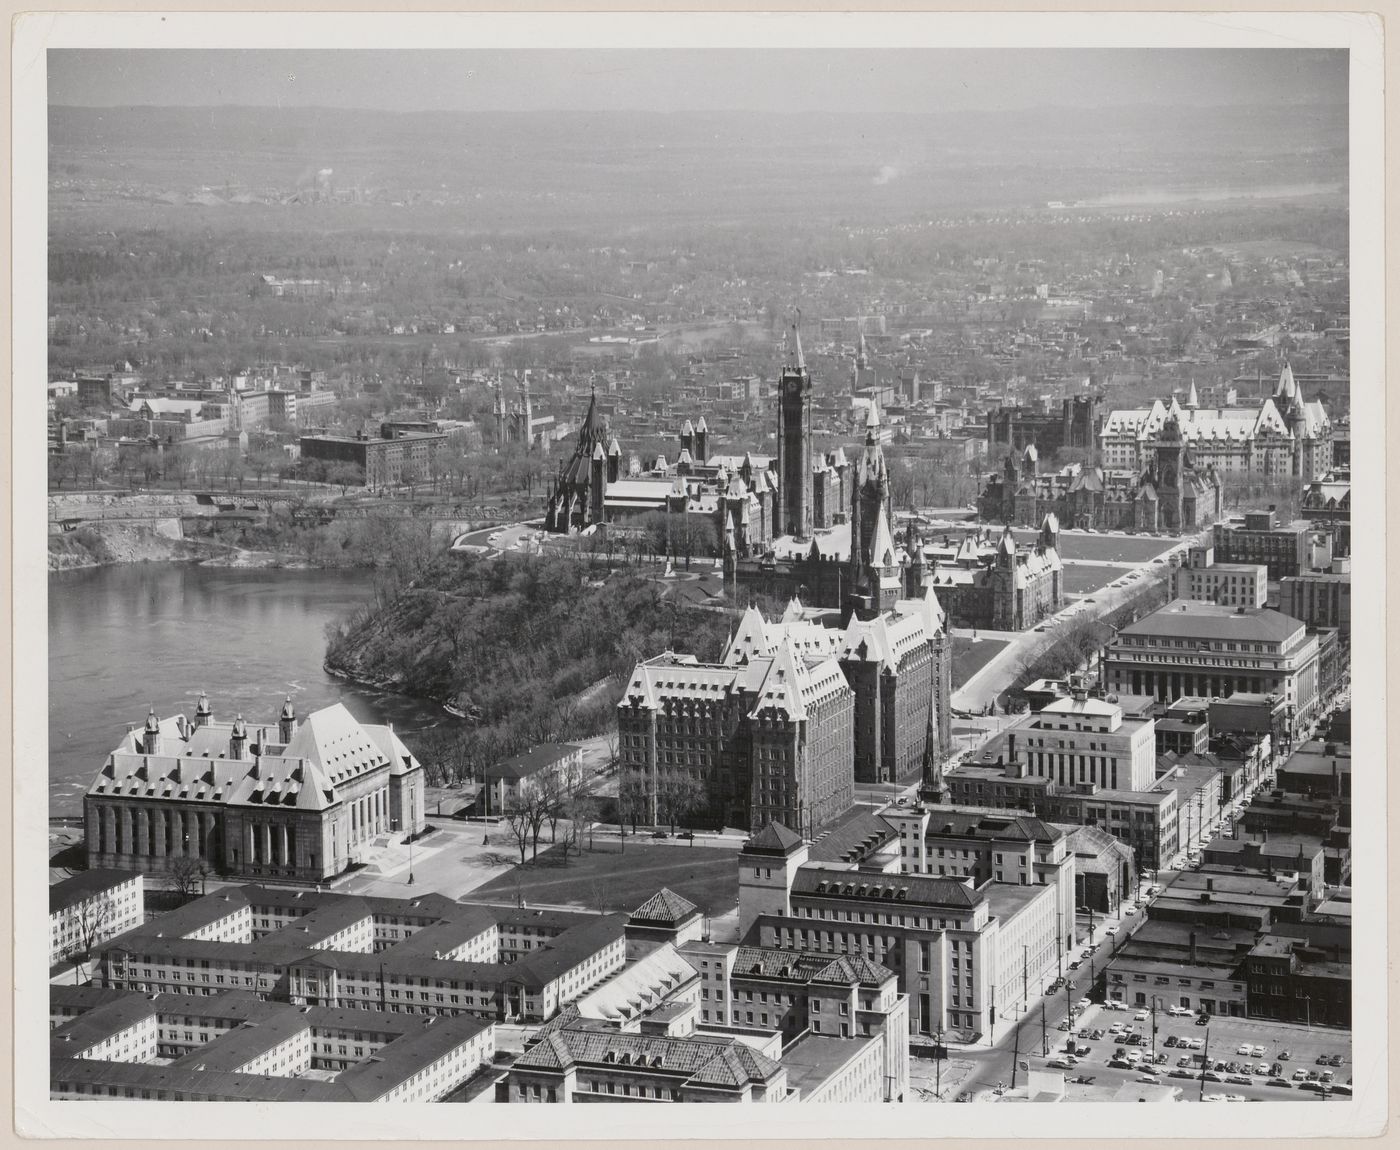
1044 1034
1205 1052
938 1059
1025 977
1016 1053
1154 1026
1059 943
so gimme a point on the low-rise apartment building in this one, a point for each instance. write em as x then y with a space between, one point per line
92 906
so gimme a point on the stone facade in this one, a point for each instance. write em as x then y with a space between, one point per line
295 801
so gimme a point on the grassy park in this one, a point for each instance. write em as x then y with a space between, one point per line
614 877
969 657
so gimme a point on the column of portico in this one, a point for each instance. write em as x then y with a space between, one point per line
250 844
286 856
267 842
124 839
159 823
142 826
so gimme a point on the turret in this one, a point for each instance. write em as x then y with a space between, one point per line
702 441
203 715
150 737
688 437
238 739
286 722
614 461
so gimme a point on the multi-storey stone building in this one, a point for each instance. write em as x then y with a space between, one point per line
1081 739
1257 537
1173 490
793 714
1193 648
1319 598
427 955
1229 584
1285 435
292 800
965 955
382 461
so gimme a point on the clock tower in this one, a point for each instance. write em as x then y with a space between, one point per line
795 442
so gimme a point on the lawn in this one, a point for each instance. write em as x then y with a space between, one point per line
621 880
1086 580
1107 548
970 657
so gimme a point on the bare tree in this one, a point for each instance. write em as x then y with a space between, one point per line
678 794
94 917
345 476
518 822
186 876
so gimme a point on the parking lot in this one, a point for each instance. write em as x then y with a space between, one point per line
1124 1051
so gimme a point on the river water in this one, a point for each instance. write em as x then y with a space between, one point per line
124 638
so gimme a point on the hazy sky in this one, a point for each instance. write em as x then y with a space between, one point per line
714 79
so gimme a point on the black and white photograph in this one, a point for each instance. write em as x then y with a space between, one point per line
700 560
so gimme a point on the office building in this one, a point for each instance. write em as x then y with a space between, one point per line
1229 584
1321 599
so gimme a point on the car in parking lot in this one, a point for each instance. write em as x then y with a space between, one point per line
1170 1040
1315 1087
1146 1077
1181 1074
1179 1011
1340 1089
1140 1016
1300 1076
1060 1063
1203 1020
1262 1068
1120 1064
1279 1082
1284 1055
1239 1080
1210 1076
1335 1060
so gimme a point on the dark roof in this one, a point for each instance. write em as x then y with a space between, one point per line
84 885
773 839
853 840
665 906
886 889
1189 618
531 762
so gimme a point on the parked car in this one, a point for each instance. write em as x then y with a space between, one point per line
1203 1020
1179 1011
1335 1060
1279 1082
1210 1076
1323 1059
1149 1075
1110 930
1284 1055
1120 1064
687 835
1245 1048
1315 1087
1170 1040
1074 965
1059 1063
1140 1016
1342 1089
660 835
1300 1076
1181 1074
